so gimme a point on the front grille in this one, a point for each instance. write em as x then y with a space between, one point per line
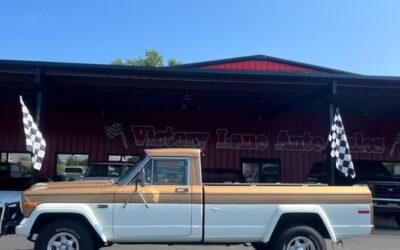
389 191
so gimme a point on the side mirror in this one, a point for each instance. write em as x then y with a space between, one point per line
141 178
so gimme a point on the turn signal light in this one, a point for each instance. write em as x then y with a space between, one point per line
30 205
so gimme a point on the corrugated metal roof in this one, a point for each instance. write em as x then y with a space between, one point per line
261 63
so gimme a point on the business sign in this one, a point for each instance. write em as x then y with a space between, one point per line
149 136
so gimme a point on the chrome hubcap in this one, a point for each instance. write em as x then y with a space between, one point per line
300 243
63 241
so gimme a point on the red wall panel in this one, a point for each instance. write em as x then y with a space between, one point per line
82 130
259 66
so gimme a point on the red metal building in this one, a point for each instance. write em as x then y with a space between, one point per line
255 111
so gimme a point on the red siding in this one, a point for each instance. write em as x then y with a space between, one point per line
259 66
80 130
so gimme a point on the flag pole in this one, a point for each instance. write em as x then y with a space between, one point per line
331 112
332 162
40 82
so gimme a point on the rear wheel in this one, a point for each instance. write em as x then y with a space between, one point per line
64 235
300 238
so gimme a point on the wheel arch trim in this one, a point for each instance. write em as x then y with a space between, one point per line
27 224
298 209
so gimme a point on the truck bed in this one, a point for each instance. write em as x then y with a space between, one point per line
247 211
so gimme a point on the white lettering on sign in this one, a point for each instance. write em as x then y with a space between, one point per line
240 141
361 144
396 142
147 136
304 142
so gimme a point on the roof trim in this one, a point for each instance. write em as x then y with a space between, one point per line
261 58
173 152
105 69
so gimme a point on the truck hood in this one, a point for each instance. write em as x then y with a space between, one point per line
9 196
67 186
69 192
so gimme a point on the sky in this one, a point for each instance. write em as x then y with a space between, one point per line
361 36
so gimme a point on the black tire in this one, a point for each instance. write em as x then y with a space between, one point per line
66 227
260 246
304 233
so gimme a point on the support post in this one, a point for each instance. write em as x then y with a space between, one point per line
40 83
331 111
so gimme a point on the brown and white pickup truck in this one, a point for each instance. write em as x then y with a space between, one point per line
162 200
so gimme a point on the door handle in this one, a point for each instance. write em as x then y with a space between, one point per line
182 190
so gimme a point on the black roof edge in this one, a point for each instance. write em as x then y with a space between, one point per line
101 69
262 58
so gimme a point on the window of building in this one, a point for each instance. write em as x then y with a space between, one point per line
124 158
71 167
19 164
167 172
106 171
392 167
261 170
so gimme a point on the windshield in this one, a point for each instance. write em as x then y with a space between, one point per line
127 174
107 170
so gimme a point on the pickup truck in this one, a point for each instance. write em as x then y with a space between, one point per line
162 201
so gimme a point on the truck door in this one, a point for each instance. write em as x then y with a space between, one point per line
162 210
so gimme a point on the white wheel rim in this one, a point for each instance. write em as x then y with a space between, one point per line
63 241
301 243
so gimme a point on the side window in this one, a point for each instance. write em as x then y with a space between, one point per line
170 172
71 167
166 172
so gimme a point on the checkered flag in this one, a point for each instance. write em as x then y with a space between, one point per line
340 147
114 130
10 158
35 142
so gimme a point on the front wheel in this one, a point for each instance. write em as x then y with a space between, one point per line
300 237
64 234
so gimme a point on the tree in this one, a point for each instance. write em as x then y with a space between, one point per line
152 58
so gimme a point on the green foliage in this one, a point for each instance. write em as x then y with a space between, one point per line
152 58
173 61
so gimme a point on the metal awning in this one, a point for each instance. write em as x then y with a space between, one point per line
181 88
